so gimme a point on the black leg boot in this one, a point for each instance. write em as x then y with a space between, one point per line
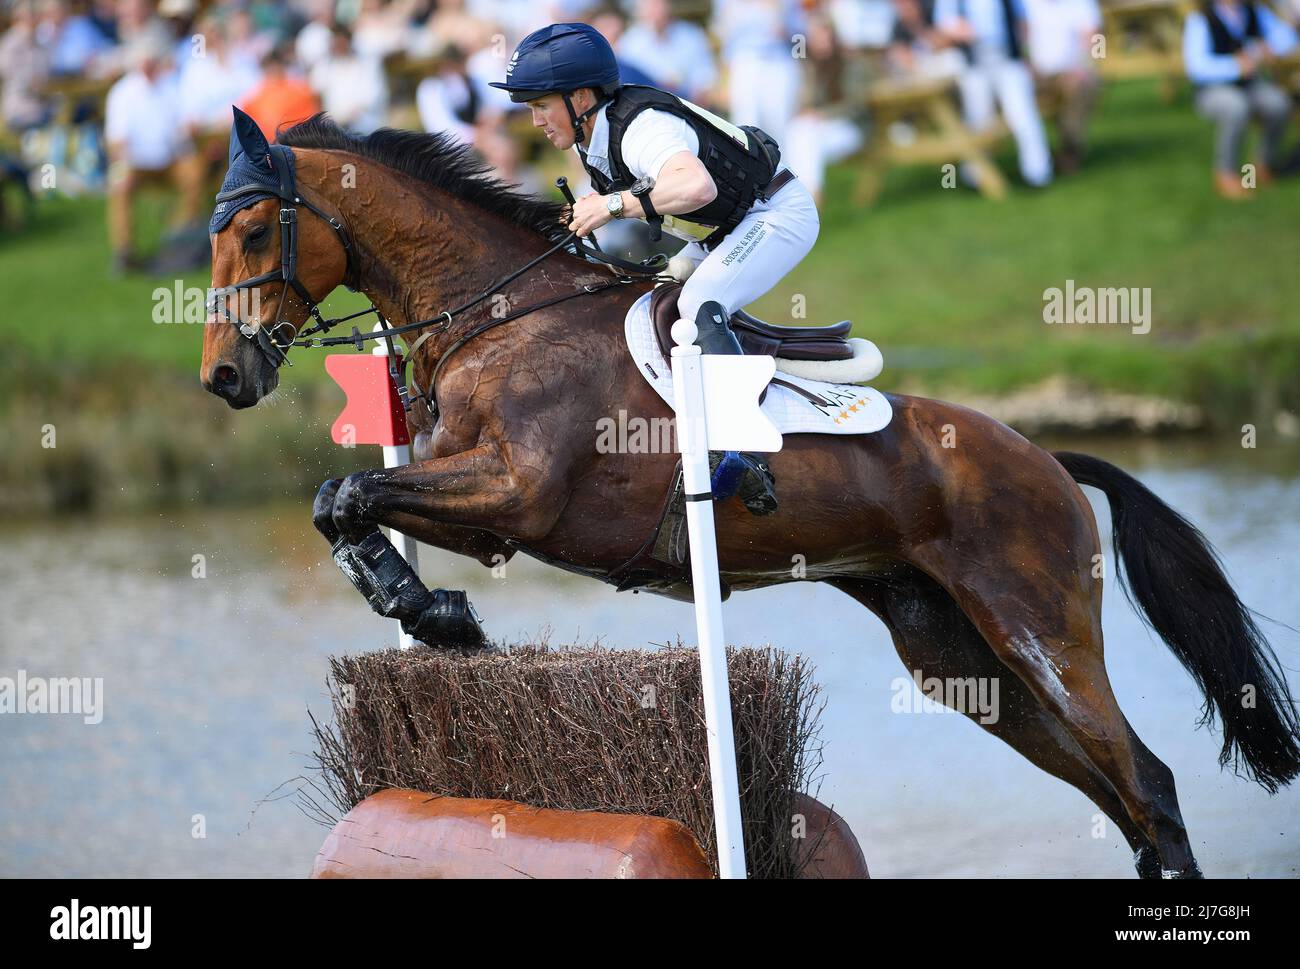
443 618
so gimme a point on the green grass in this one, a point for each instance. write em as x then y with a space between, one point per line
945 269
947 283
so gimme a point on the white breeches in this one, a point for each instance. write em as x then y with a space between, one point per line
770 241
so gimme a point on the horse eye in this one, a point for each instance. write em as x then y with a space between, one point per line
255 235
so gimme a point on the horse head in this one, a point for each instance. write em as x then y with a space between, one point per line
275 255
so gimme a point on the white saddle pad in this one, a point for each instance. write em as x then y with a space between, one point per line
845 408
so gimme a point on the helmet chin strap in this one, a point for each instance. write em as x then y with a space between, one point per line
580 136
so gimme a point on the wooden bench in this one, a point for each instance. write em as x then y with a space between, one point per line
941 136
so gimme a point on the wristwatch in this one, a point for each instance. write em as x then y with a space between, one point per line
615 204
641 192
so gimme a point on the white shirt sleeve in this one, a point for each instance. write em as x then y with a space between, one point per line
652 138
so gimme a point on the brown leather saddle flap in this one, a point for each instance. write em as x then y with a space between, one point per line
756 337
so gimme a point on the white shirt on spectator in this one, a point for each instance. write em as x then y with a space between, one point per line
353 90
146 118
210 85
313 44
439 98
1057 33
679 60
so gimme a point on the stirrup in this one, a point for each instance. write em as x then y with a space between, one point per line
758 487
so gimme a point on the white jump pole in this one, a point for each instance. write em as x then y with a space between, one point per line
395 456
694 438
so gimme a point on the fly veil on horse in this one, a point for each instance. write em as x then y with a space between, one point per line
978 557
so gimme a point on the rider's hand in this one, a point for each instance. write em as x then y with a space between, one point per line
589 213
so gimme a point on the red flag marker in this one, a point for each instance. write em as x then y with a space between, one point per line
373 410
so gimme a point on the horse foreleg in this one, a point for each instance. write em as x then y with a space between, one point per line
392 587
457 495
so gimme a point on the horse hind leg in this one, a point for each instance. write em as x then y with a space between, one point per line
1046 628
932 635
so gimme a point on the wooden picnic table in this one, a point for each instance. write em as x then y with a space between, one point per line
1144 38
930 106
70 91
1286 72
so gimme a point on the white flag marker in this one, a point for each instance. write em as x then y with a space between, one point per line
716 400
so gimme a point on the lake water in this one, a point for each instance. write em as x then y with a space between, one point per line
207 684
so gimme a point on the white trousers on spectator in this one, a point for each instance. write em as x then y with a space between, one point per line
764 91
1010 84
770 241
815 141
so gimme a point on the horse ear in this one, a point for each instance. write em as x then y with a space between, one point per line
247 137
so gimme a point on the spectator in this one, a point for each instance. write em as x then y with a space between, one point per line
1061 37
758 46
133 18
179 16
212 82
74 41
675 54
989 32
917 48
451 101
819 137
24 68
351 85
1226 45
382 28
450 25
312 44
244 40
146 141
281 98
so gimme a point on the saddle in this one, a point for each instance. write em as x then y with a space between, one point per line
757 338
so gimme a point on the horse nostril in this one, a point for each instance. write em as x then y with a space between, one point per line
225 376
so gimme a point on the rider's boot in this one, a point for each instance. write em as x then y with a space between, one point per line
747 475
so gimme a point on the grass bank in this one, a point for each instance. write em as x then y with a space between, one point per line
949 284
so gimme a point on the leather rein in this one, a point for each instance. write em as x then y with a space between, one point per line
274 342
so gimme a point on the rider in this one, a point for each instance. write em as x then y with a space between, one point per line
654 156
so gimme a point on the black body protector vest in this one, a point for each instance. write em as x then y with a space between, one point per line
742 160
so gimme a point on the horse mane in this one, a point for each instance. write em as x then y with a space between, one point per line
434 159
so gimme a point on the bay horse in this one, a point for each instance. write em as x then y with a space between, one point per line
976 548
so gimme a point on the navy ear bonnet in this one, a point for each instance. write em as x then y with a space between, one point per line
257 171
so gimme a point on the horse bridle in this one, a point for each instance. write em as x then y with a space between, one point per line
272 341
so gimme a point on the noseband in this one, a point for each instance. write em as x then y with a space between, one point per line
274 342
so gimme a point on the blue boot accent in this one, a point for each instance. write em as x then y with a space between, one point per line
726 477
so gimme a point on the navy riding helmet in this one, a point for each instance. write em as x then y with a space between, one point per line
559 59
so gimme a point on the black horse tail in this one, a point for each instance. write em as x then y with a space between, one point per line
1175 581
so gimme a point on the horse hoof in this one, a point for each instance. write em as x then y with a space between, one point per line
448 623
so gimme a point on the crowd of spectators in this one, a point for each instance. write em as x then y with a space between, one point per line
170 69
